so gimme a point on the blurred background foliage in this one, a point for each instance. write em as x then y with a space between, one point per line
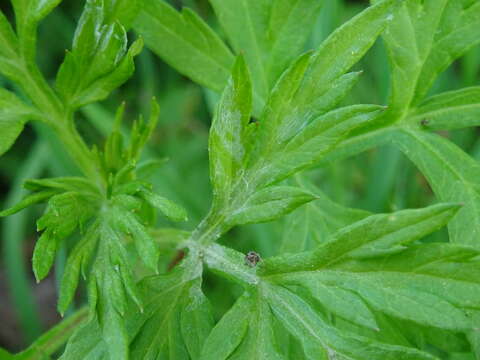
381 180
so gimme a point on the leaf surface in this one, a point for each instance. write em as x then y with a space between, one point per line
229 134
183 39
453 176
14 113
270 34
176 320
449 110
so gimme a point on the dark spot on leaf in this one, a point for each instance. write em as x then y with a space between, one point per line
252 259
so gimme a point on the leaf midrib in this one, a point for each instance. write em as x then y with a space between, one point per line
353 274
166 318
444 110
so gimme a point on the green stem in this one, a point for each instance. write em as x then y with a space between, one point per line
40 93
60 117
209 229
52 341
78 150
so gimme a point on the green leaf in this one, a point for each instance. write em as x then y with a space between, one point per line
420 291
374 236
41 8
86 344
424 38
409 39
167 207
245 23
124 11
278 121
313 85
77 262
296 101
131 224
110 285
269 204
341 302
27 201
249 325
229 332
310 143
248 330
430 284
449 110
316 221
13 115
458 31
270 34
9 42
393 295
347 45
9 55
229 134
65 213
99 61
183 39
72 183
27 16
101 87
196 320
319 340
381 234
419 335
177 319
453 176
297 230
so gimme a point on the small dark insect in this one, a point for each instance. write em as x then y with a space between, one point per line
425 122
252 259
253 121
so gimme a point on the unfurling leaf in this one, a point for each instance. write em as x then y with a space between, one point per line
99 61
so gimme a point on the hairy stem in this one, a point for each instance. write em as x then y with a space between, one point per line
60 117
209 229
